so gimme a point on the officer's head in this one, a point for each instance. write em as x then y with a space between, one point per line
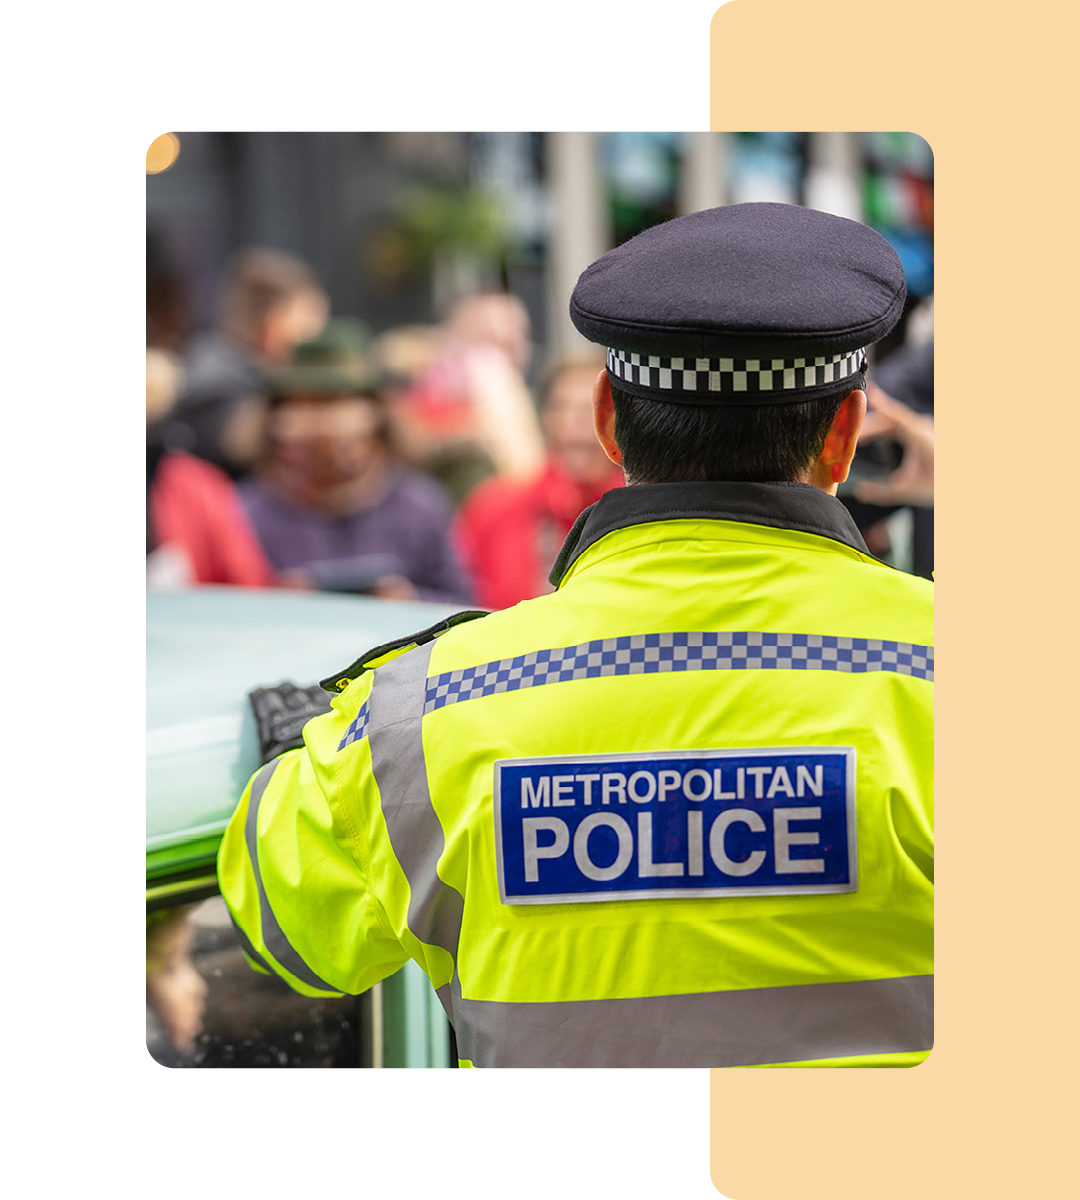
736 343
658 443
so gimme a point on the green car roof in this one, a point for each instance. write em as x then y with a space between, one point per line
206 648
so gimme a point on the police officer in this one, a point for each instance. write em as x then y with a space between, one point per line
677 812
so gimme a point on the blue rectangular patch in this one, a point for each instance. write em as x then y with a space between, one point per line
760 822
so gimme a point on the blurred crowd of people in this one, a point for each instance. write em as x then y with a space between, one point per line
291 447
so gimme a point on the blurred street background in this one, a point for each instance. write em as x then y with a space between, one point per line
361 373
395 224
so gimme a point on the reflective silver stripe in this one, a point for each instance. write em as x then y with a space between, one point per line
706 1029
396 711
711 1029
248 948
273 935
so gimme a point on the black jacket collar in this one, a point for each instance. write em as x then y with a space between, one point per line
797 506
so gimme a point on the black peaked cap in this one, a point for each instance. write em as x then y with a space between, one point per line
747 303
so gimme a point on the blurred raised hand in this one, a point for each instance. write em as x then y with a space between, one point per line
913 480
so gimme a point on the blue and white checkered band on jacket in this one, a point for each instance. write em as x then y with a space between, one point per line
733 380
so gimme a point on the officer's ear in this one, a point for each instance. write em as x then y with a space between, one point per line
604 417
834 462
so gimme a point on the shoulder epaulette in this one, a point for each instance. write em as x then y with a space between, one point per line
379 654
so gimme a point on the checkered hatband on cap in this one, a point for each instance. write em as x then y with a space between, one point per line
733 380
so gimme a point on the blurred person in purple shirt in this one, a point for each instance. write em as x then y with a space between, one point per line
331 504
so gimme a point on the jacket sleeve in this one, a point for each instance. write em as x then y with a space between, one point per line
296 884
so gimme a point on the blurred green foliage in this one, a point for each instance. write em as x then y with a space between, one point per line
434 220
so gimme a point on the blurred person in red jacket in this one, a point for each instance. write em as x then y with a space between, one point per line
196 528
510 530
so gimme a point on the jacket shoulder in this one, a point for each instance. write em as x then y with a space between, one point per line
378 655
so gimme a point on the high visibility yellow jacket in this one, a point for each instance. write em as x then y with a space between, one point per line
676 813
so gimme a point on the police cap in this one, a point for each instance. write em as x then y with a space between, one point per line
745 304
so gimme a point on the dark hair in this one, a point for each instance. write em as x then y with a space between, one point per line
761 443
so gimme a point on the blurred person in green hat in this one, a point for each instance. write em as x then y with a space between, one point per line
333 506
